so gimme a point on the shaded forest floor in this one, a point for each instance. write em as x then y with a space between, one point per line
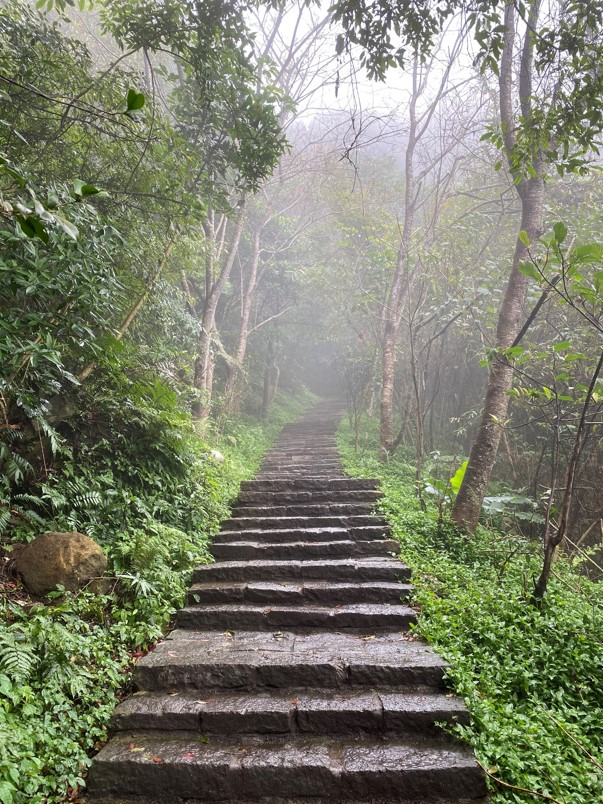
530 678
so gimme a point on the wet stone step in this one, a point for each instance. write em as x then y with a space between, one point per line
178 765
347 569
292 669
293 711
255 660
281 522
304 509
274 535
287 497
323 592
357 616
308 484
301 534
233 551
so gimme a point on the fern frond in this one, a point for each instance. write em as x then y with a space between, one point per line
4 520
17 657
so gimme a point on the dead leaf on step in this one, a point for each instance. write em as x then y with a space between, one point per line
367 637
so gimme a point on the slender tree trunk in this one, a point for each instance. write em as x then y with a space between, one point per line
483 453
204 363
469 500
271 376
235 384
554 536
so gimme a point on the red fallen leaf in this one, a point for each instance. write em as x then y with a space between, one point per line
156 758
294 701
131 746
188 755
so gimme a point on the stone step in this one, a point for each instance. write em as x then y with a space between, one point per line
293 711
292 669
300 534
317 497
260 660
178 766
273 535
284 522
307 592
308 484
299 462
344 548
356 616
303 510
323 476
351 570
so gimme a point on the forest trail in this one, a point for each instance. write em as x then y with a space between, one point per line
291 675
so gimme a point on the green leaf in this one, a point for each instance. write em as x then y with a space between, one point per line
135 101
560 230
589 252
32 227
68 227
457 478
523 237
561 346
527 268
83 190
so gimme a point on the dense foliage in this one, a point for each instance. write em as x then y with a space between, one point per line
152 493
526 674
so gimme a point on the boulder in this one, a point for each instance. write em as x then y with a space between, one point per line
68 559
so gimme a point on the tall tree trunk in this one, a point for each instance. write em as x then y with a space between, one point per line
235 384
469 500
271 376
204 362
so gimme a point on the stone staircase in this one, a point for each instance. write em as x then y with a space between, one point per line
291 675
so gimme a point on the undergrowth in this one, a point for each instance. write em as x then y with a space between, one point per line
133 475
530 678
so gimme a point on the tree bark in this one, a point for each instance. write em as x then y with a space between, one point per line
235 384
271 376
204 362
467 506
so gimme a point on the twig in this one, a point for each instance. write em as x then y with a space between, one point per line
573 739
543 796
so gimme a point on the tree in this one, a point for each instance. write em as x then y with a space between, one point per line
554 121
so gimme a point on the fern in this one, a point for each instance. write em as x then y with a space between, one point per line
17 657
4 519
